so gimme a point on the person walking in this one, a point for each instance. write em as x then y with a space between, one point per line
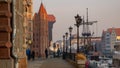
58 52
46 53
28 53
33 55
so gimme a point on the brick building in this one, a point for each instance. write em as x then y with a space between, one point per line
14 14
22 16
28 24
6 61
51 21
41 28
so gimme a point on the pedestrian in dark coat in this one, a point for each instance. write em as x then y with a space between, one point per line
58 52
46 53
33 55
28 53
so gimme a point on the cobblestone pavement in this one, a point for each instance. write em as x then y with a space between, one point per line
35 64
56 63
49 63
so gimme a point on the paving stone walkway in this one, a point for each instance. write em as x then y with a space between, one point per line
56 63
35 64
49 63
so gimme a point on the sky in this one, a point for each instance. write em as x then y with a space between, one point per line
106 12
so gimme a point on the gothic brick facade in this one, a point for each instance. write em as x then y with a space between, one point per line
15 29
41 31
5 32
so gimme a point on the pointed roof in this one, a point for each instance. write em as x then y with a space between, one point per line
103 32
34 15
42 9
51 18
117 30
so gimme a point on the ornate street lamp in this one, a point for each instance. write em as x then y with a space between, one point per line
78 23
70 30
66 34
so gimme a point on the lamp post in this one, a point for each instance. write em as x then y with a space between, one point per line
54 46
70 30
78 23
66 34
63 43
63 46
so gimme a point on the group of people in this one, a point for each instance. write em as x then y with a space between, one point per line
30 54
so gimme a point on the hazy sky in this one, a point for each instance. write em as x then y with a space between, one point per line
106 12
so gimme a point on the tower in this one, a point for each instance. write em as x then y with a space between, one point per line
42 31
43 21
51 21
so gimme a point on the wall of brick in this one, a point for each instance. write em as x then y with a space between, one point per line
5 29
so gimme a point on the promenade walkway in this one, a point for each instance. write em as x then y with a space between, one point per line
36 63
56 63
50 63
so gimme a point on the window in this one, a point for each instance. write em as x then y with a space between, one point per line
107 46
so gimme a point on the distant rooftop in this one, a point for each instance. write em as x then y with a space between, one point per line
51 18
117 30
